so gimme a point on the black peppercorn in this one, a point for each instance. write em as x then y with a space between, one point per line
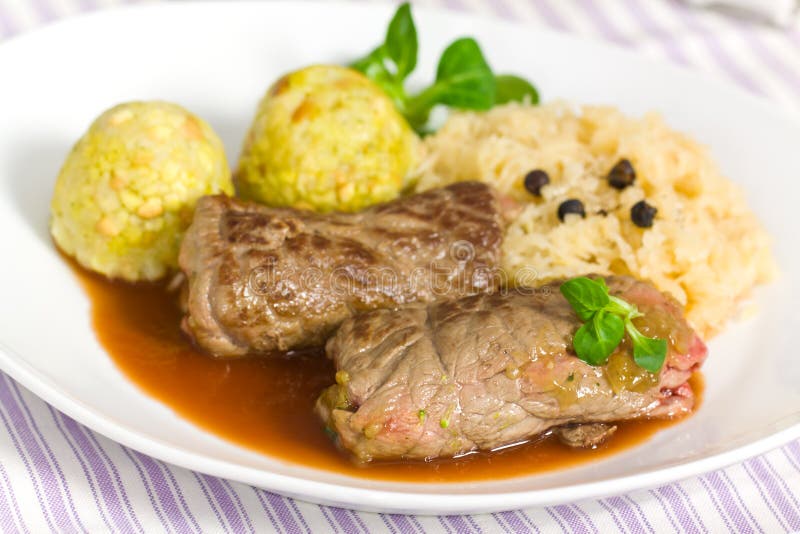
572 205
621 175
535 180
642 214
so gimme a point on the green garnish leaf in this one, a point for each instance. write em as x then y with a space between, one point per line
596 340
401 42
372 64
649 353
586 296
464 79
510 88
606 319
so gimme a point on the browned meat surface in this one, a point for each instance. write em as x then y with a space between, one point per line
490 370
585 436
262 279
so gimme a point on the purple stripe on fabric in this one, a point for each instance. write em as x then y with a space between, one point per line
358 520
88 477
45 472
524 516
602 23
13 498
613 515
781 481
293 506
210 501
639 511
225 503
343 518
50 455
391 520
555 518
663 505
616 505
7 523
549 15
405 523
764 496
416 522
681 513
459 523
114 495
712 494
718 52
444 524
238 502
690 504
387 523
179 493
324 511
146 484
770 59
283 514
572 519
776 494
585 517
114 473
792 453
729 483
163 492
667 41
267 509
501 8
508 520
471 520
788 452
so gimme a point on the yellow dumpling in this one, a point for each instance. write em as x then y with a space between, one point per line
325 138
127 190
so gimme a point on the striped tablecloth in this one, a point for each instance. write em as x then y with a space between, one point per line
56 475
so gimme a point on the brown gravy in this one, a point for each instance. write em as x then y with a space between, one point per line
267 404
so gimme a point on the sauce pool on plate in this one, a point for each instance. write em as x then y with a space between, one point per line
267 404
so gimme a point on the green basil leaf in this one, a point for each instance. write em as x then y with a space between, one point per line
372 63
510 88
586 296
649 353
622 307
609 330
463 77
596 340
584 342
401 42
373 66
463 80
392 88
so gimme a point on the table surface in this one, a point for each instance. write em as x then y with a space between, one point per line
57 475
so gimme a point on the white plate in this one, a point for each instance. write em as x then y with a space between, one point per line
217 59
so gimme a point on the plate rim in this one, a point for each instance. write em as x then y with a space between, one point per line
360 498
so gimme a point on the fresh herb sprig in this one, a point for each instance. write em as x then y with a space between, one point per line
464 79
606 319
